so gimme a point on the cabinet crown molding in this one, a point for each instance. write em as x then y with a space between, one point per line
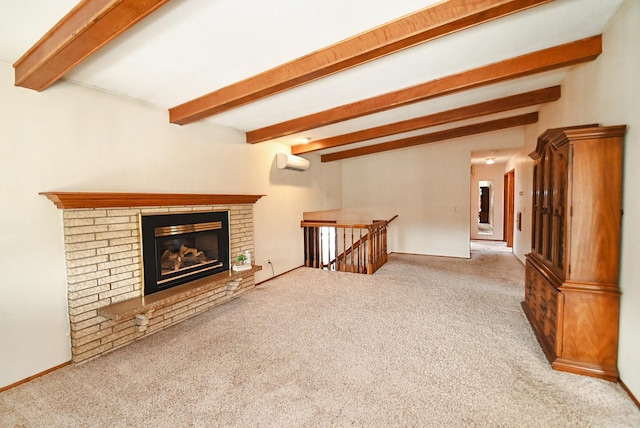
554 133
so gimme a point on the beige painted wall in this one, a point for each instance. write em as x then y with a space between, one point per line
523 190
70 138
494 173
427 186
605 91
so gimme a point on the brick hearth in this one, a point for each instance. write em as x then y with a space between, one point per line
103 256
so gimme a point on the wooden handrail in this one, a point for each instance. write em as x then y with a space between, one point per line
311 223
359 241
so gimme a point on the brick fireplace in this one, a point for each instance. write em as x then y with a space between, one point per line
107 307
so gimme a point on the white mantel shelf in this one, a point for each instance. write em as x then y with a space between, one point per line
77 200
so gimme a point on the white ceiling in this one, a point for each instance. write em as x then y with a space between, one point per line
189 48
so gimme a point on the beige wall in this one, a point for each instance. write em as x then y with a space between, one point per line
605 91
523 190
70 138
427 186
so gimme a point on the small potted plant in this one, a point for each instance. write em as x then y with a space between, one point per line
240 263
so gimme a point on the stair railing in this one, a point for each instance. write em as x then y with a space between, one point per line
358 248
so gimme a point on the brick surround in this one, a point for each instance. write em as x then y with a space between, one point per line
103 256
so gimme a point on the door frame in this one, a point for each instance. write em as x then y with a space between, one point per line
509 217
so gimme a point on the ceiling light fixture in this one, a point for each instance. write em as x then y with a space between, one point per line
304 140
491 161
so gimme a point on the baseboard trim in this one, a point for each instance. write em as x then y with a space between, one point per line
628 391
280 274
35 376
428 255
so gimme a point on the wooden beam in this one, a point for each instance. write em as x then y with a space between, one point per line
513 102
525 65
85 29
462 131
427 24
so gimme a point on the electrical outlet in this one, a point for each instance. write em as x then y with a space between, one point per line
269 261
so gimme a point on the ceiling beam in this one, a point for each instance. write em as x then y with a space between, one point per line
499 105
85 29
462 131
537 62
426 24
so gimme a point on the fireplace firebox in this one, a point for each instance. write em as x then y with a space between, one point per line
181 247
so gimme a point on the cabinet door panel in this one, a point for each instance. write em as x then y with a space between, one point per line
591 327
530 287
596 221
559 210
536 229
551 314
547 205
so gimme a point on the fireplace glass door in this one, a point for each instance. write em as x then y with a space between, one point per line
187 248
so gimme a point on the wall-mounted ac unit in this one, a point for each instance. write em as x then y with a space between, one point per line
285 161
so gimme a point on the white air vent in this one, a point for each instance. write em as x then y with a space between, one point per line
285 161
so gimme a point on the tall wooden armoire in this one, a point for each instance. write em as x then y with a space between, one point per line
572 298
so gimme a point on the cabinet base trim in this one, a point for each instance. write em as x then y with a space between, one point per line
582 368
565 364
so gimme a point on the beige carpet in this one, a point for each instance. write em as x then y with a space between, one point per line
491 246
426 341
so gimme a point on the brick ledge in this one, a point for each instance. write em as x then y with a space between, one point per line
146 304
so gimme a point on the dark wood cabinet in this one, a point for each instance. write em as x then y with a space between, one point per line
572 299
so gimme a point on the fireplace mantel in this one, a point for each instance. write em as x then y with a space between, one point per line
75 200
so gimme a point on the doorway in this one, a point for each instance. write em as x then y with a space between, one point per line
485 207
484 204
487 195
